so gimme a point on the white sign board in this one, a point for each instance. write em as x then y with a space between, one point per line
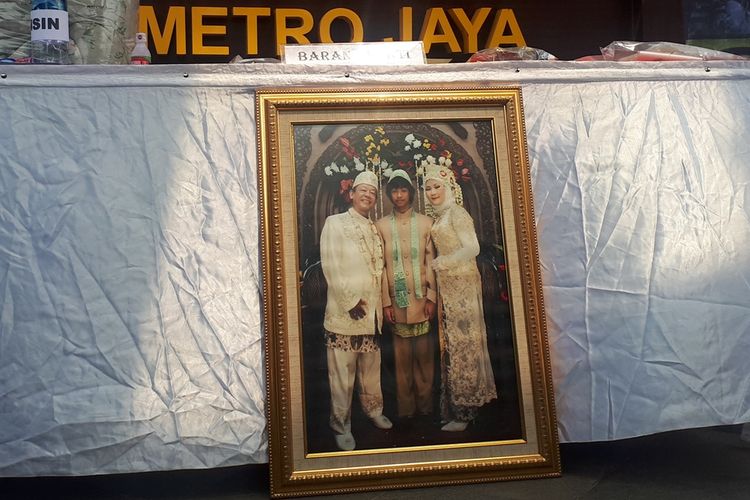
373 53
49 24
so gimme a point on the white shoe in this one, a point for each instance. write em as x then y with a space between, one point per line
381 422
455 426
345 442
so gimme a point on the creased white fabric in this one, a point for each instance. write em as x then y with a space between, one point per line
646 250
130 334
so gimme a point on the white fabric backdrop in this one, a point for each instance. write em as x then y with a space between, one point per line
130 320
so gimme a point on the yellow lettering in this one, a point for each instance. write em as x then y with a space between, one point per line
434 19
352 20
405 22
173 26
284 32
200 30
251 14
503 20
470 28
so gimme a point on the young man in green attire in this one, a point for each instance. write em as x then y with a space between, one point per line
410 298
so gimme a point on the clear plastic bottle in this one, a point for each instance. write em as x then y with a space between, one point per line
140 53
50 37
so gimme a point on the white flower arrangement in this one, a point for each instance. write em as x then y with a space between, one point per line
412 142
373 151
423 160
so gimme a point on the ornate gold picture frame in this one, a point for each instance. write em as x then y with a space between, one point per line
455 389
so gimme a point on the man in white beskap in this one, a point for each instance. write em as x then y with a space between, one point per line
351 255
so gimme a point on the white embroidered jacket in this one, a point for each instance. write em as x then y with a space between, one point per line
351 255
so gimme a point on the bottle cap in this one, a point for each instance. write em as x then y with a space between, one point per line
140 37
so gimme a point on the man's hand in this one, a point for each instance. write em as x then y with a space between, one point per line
429 308
358 311
388 314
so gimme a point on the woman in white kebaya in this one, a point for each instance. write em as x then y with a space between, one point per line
467 379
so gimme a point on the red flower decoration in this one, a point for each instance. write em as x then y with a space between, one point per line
460 162
347 148
501 268
346 186
504 296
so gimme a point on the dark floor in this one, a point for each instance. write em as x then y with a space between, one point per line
693 464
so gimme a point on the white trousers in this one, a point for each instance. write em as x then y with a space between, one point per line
344 367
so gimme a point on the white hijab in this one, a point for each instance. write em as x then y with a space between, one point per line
442 176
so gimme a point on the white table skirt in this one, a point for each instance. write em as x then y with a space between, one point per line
130 332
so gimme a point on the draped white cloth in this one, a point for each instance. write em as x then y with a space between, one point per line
130 331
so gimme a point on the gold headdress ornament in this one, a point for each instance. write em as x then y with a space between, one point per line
445 176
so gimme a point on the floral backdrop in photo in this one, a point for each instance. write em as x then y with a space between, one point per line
372 147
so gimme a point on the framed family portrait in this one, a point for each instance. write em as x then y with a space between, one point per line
405 332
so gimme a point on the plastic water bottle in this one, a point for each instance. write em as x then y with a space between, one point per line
140 53
49 32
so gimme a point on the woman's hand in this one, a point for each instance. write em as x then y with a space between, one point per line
439 264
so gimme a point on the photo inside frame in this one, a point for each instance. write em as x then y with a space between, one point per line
328 157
